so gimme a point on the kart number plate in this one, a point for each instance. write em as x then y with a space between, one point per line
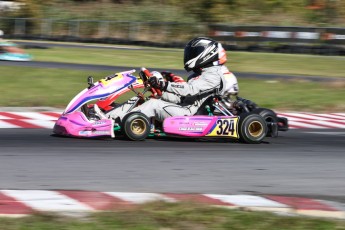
107 82
226 127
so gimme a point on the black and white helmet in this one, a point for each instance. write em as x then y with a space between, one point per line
200 52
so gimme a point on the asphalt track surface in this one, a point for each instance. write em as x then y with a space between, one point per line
299 162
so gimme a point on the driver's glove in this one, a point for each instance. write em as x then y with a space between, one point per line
172 77
157 81
157 84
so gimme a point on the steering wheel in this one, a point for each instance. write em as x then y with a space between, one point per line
148 74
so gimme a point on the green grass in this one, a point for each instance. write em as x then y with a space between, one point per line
56 87
295 95
272 63
172 216
26 86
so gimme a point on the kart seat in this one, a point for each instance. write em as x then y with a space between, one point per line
203 108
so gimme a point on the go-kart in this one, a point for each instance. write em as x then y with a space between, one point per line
218 117
11 52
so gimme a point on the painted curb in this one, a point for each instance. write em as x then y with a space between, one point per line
297 120
19 203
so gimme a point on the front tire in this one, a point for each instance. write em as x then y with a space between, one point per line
252 128
135 126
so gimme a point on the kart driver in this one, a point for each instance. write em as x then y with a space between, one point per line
206 58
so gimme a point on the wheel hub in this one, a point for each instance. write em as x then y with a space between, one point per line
138 126
255 129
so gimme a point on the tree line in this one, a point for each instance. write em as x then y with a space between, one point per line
279 12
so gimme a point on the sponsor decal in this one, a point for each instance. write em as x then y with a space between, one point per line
99 122
184 123
95 132
200 123
101 132
85 132
177 86
190 129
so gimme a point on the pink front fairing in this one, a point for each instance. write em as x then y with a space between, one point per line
101 89
76 124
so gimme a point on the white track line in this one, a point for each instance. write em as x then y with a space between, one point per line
247 201
331 116
305 116
300 124
328 124
3 117
35 116
41 123
5 125
46 200
139 198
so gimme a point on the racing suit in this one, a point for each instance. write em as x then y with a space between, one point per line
184 98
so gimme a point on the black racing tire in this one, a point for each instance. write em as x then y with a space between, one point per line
135 126
252 128
267 114
271 120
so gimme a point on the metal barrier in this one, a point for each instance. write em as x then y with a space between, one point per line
160 32
305 35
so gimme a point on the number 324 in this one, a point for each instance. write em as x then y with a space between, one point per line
226 127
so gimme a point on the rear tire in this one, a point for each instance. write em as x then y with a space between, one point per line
252 128
135 126
271 120
267 114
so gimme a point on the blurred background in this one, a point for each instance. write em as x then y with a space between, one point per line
267 42
242 24
288 55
